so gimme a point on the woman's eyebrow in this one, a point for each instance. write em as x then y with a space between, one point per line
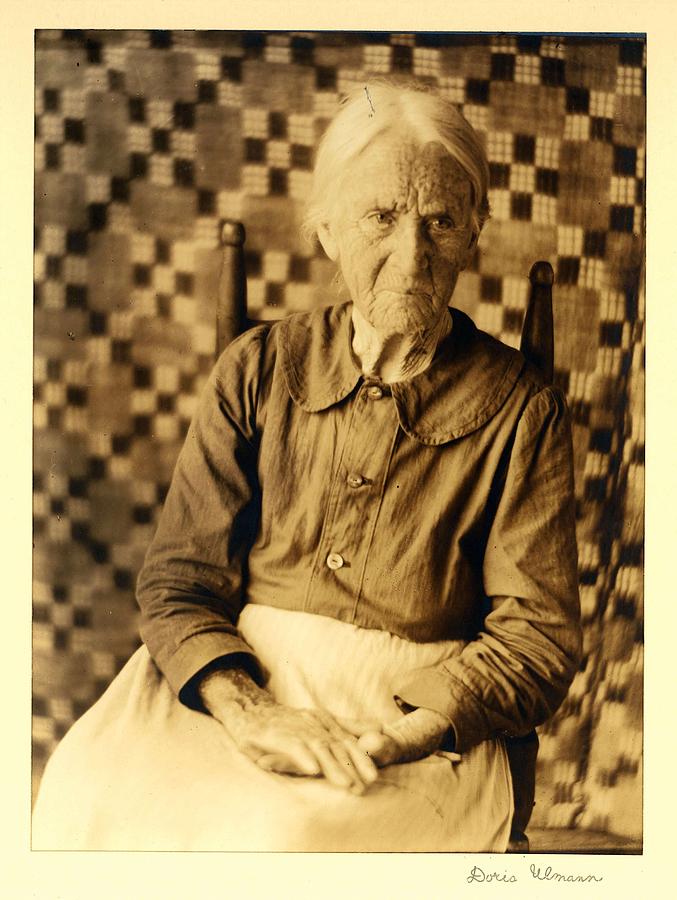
447 205
378 204
439 212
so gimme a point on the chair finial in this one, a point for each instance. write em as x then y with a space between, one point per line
542 273
232 233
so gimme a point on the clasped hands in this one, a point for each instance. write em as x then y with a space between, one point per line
348 753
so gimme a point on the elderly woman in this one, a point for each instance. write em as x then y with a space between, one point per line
364 577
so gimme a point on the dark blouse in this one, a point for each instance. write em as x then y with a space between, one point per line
437 508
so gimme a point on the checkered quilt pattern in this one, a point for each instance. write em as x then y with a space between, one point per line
146 141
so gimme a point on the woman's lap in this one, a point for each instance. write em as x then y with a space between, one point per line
142 772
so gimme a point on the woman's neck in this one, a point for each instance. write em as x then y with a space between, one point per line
396 357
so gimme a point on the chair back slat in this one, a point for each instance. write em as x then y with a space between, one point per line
231 307
537 342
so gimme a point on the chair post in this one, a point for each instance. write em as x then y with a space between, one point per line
231 307
538 346
537 342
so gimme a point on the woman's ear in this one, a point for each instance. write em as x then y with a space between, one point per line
326 238
472 244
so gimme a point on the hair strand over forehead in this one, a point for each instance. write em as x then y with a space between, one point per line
381 106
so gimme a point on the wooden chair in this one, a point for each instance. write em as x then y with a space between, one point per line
537 345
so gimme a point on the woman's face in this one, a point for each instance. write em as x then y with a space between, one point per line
401 232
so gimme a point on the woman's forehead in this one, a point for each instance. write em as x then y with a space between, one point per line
407 172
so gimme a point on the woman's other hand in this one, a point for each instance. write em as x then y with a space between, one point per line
412 737
287 740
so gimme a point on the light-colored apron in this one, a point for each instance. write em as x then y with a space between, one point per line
140 771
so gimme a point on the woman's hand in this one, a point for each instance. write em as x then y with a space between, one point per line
412 737
287 740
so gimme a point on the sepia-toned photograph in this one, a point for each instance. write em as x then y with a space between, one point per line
338 460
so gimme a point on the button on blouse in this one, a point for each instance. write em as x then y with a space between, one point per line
334 561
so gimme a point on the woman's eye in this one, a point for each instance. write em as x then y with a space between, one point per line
440 225
381 219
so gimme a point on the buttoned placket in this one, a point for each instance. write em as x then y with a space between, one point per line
355 499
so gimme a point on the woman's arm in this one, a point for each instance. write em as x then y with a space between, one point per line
515 674
190 589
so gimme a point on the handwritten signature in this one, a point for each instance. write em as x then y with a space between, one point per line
539 874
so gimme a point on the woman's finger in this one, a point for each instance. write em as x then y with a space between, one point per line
339 728
365 766
302 759
332 770
381 748
345 759
278 762
328 722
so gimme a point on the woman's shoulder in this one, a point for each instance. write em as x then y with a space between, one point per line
299 327
307 351
495 354
478 376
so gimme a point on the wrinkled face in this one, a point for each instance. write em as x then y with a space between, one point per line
401 232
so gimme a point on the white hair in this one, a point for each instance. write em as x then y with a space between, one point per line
380 106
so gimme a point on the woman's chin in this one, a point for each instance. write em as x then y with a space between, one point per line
403 313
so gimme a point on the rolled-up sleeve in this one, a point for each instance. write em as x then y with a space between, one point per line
190 589
517 671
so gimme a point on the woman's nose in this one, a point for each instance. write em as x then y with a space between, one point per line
409 248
